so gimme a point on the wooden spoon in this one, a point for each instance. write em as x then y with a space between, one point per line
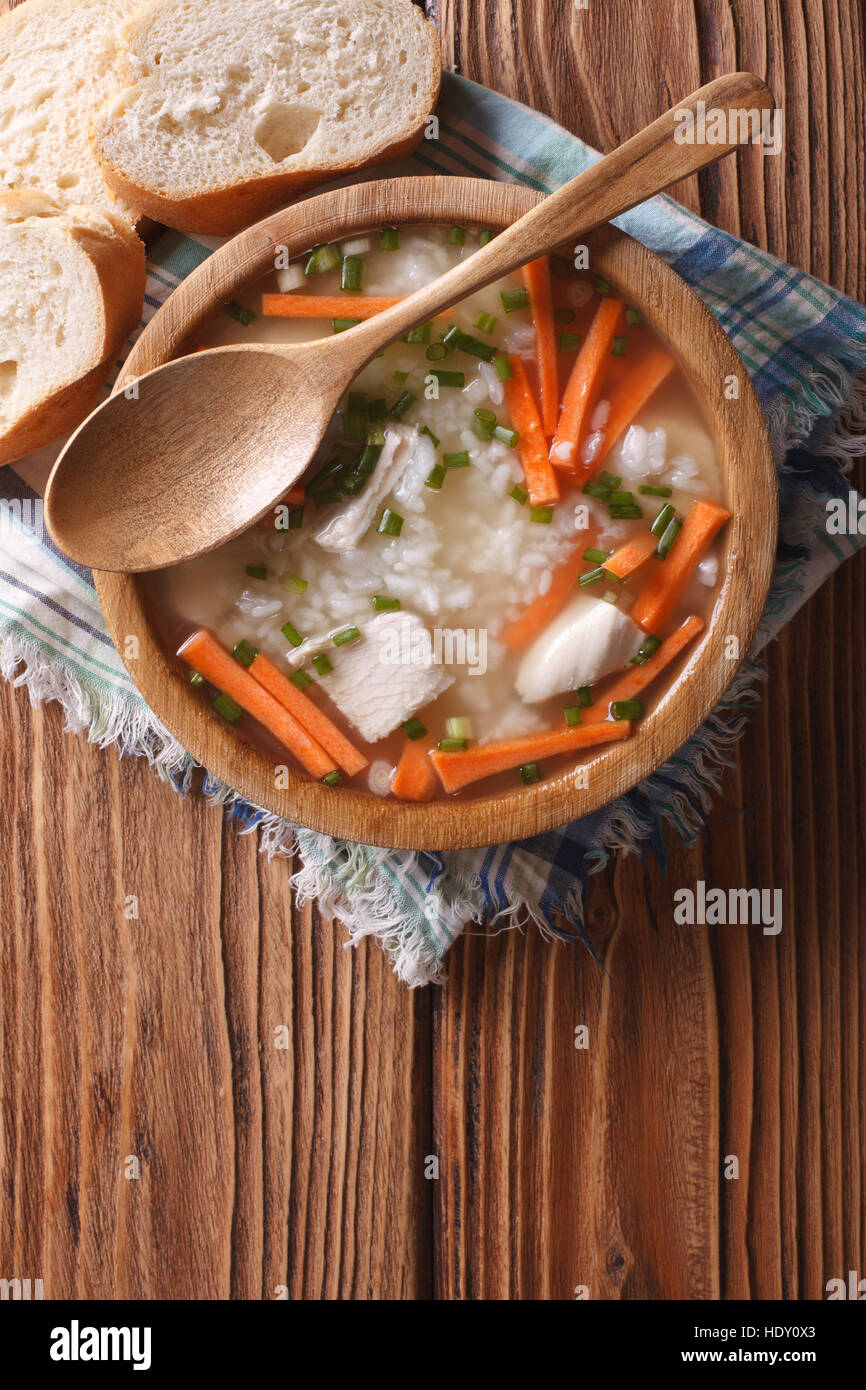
197 450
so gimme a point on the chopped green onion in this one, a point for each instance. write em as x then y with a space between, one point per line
414 729
355 424
503 368
346 636
340 325
621 499
291 634
430 435
663 519
646 491
626 709
626 512
530 773
506 436
352 276
328 498
633 316
322 663
225 705
609 596
296 518
326 477
241 313
591 577
390 523
596 557
378 409
564 315
322 259
244 652
196 679
570 342
383 604
668 537
353 484
257 571
608 574
584 696
648 647
331 779
419 334
610 481
401 407
449 378
436 477
458 460
512 300
301 679
452 745
543 515
400 378
619 347
594 489
472 346
560 267
389 239
572 715
357 400
519 495
376 434
486 236
457 236
436 352
601 286
458 726
485 422
485 323
369 458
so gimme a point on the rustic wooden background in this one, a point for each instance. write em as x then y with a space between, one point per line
305 1168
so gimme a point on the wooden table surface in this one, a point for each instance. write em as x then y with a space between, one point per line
266 1170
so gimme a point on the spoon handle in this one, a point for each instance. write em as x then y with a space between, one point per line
649 162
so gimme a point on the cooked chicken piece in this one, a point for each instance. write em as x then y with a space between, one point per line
589 639
351 523
382 679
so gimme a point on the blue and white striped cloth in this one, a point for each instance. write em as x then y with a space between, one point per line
804 346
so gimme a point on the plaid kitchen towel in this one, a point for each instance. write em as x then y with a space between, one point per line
804 346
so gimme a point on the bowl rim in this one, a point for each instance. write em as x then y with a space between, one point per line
748 476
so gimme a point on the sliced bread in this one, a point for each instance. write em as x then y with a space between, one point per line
235 106
71 291
58 63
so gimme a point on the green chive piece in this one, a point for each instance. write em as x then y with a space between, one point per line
383 604
609 596
296 518
436 352
436 477
352 276
369 458
403 405
485 323
485 423
322 664
503 368
486 236
613 578
452 745
530 773
449 378
519 495
357 401
626 512
328 498
668 537
560 267
646 491
512 300
543 515
389 239
244 652
346 636
291 634
378 409
648 647
601 286
664 517
619 347
594 489
355 424
591 577
301 679
457 236
610 481
633 316
621 499
322 259
196 679
458 460
564 315
572 715
419 334
414 729
584 696
241 313
458 726
596 557
472 346
570 342
353 484
225 705
430 435
390 523
506 436
257 571
626 709
332 778
399 378
341 325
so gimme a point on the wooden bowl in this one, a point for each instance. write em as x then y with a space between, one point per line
747 471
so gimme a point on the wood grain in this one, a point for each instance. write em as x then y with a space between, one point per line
558 1167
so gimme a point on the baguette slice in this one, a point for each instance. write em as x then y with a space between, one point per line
235 106
58 63
71 292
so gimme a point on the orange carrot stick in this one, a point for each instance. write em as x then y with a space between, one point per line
325 306
658 600
637 678
458 769
632 555
205 654
540 478
308 715
544 609
631 394
537 278
583 387
415 779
